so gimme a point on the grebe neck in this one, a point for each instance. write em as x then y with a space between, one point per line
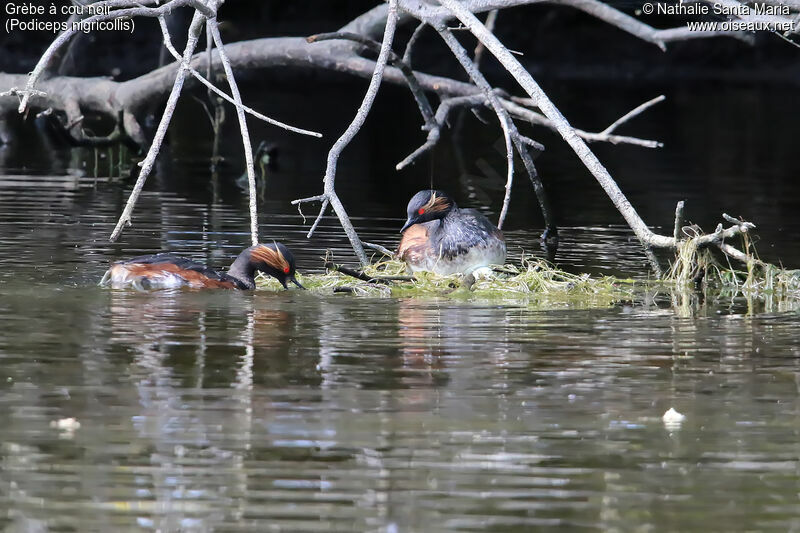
243 271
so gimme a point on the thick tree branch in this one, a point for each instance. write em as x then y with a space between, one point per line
599 10
67 35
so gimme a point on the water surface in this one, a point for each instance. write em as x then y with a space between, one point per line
229 411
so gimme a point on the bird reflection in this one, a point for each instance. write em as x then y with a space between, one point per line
196 359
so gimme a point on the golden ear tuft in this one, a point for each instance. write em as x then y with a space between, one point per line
273 258
430 203
437 203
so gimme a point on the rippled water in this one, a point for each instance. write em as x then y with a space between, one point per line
227 411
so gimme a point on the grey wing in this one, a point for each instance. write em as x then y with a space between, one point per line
472 230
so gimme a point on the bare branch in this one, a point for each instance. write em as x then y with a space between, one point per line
509 129
439 120
394 60
13 91
351 131
378 248
538 119
317 220
638 110
523 77
248 147
65 36
147 164
213 88
721 233
491 20
411 42
489 94
600 10
317 198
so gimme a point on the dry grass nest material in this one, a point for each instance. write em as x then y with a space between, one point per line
535 279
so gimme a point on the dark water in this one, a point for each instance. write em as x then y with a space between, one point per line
222 411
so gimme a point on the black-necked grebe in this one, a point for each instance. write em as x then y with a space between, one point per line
167 271
440 237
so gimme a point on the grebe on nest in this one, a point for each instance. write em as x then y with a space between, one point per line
441 238
168 271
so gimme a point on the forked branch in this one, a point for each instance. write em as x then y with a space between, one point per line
329 195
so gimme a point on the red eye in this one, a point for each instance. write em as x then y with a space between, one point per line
421 211
285 270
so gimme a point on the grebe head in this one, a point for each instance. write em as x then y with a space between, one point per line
428 205
275 260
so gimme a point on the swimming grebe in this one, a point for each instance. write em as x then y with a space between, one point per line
440 237
167 271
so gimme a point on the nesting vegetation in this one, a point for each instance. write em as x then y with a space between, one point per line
696 275
535 281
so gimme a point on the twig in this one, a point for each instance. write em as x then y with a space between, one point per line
22 92
396 61
213 88
330 265
676 233
737 221
491 20
360 275
149 160
378 248
632 113
439 120
510 173
325 203
358 121
538 119
412 41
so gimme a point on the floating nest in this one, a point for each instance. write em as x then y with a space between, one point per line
696 276
535 280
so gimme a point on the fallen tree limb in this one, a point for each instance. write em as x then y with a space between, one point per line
360 275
